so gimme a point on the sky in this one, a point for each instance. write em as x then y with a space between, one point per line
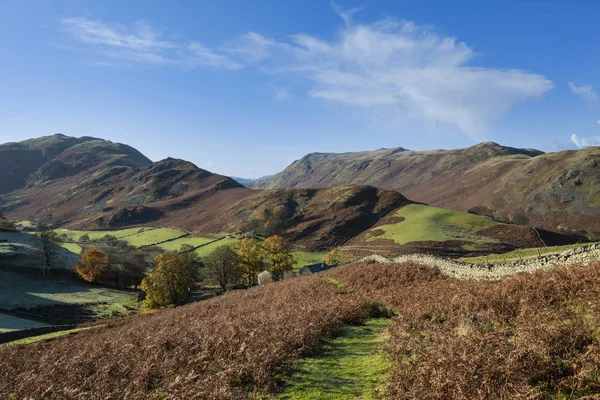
243 88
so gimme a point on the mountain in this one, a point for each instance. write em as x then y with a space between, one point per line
556 191
35 161
90 183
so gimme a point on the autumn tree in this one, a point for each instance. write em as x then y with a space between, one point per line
223 266
251 261
170 282
276 249
94 266
333 257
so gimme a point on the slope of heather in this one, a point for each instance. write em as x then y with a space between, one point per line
522 185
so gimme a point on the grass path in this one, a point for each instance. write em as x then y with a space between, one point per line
350 366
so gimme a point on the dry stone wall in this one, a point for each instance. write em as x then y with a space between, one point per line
581 255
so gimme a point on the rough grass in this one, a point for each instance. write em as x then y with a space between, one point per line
531 336
349 366
425 223
523 253
50 336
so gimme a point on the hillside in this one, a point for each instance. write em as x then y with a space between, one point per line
95 184
526 336
36 161
553 191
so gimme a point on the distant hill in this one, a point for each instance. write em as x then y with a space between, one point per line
91 183
553 191
247 181
36 161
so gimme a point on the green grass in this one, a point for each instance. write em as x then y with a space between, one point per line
305 258
94 235
350 366
134 236
53 335
191 240
153 236
524 253
206 250
72 247
425 223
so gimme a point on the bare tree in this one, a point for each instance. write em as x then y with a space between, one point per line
48 248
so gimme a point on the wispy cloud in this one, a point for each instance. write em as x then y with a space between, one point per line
583 142
586 92
395 68
405 71
141 44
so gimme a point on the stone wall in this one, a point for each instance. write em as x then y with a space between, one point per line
581 255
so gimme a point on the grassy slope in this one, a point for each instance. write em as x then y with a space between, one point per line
349 366
191 240
26 289
206 250
16 249
10 323
523 253
424 223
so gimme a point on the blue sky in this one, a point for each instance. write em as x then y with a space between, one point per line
244 88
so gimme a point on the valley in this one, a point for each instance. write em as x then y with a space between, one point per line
385 261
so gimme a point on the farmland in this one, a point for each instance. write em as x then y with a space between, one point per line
423 223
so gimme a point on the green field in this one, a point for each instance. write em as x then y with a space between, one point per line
28 289
523 253
206 250
153 236
18 250
350 366
190 240
305 258
94 235
10 323
425 223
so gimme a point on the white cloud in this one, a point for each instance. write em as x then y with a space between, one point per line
407 72
582 142
587 92
392 68
141 44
